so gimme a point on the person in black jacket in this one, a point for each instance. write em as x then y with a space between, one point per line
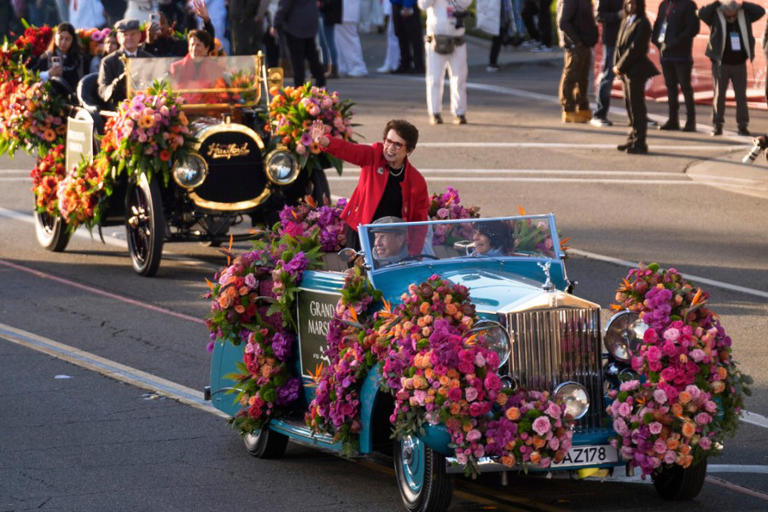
112 80
609 16
731 43
298 20
160 41
578 34
62 63
632 65
673 31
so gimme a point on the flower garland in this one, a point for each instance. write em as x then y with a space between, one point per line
324 222
335 409
531 429
46 176
295 113
689 390
252 301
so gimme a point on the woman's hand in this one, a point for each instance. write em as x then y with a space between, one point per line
199 8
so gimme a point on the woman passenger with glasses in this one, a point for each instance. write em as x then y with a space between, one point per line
388 185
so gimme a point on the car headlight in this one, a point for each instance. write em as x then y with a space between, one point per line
190 171
282 167
575 398
496 337
624 334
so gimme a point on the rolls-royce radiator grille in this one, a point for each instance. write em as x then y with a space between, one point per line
551 346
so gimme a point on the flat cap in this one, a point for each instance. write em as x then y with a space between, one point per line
384 225
127 24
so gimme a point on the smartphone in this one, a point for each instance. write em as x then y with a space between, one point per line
154 19
55 61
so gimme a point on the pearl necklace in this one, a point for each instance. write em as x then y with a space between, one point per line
399 172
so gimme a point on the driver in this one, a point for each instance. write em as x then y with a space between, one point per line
389 242
112 79
492 239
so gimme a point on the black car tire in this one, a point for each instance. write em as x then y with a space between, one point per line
51 232
145 225
678 483
421 478
265 444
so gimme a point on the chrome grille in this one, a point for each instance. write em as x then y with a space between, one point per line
556 345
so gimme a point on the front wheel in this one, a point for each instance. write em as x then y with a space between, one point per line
678 483
265 444
145 225
421 478
51 232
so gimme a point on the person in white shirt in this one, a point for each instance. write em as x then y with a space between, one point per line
348 47
446 47
86 13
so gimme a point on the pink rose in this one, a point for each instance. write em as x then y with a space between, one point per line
541 425
655 428
471 393
705 443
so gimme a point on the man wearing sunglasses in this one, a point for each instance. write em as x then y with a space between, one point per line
389 186
731 43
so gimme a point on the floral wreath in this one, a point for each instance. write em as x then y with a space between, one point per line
689 391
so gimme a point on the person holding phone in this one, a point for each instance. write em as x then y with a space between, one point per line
62 63
159 38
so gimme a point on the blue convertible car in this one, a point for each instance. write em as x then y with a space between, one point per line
515 272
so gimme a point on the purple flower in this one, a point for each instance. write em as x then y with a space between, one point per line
288 392
281 346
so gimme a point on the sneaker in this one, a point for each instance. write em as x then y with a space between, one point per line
541 48
492 68
460 119
600 122
436 119
384 69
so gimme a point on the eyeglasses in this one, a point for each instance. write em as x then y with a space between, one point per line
397 145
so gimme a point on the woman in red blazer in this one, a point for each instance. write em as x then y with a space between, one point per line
389 185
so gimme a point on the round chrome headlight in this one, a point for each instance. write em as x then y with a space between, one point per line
575 398
496 338
190 171
624 334
282 167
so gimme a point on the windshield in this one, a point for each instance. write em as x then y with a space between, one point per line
205 81
530 236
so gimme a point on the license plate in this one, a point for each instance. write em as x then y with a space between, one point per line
588 455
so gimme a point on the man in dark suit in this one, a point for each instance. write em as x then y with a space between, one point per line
632 65
112 80
298 20
673 31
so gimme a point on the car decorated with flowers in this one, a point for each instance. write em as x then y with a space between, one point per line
465 353
198 146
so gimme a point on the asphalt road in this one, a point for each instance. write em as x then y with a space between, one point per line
74 439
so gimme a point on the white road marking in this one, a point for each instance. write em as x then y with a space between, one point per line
690 277
576 145
736 468
3 178
754 419
109 368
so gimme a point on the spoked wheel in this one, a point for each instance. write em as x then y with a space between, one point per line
51 232
420 471
145 225
678 483
265 444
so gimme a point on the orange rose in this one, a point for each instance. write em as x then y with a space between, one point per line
535 457
684 397
673 443
512 414
688 429
539 442
508 460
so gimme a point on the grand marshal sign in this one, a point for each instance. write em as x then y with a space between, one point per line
315 311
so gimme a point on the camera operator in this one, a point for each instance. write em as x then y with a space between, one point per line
445 45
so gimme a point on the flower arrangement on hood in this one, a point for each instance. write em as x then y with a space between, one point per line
448 206
689 390
309 219
296 113
252 302
335 410
149 132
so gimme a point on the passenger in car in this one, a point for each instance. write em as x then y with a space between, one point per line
388 185
62 63
112 79
492 239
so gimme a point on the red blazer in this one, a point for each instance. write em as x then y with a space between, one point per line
373 180
189 73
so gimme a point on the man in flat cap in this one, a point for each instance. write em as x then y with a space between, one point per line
112 80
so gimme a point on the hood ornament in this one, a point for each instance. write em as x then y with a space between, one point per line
547 286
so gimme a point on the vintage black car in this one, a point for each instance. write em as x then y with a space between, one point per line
232 172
